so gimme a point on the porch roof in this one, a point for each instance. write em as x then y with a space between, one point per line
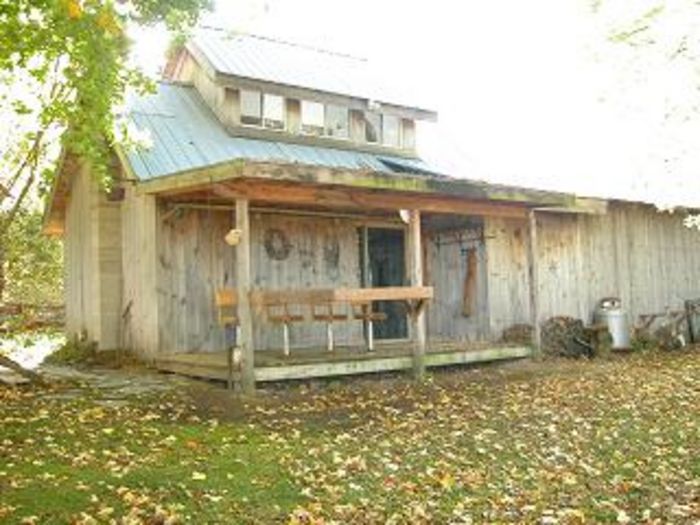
185 135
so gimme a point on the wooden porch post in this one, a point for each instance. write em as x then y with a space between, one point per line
243 279
416 278
533 281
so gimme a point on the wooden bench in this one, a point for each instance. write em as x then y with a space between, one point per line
276 306
327 315
226 301
362 311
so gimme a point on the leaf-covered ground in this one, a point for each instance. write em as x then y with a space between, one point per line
579 442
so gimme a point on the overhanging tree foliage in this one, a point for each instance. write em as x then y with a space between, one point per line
64 68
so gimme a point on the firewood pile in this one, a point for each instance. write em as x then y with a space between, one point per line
669 330
16 317
565 336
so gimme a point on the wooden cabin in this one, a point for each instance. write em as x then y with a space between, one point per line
281 211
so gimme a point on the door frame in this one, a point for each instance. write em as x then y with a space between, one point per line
364 267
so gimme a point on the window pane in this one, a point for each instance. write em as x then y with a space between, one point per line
372 126
273 111
337 121
391 133
251 107
312 117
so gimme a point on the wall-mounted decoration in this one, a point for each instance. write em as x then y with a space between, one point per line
277 244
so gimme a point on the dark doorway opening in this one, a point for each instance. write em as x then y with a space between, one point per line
383 256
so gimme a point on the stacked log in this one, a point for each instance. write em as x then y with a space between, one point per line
565 336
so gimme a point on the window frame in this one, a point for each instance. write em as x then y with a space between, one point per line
320 131
243 116
265 120
328 126
379 140
399 135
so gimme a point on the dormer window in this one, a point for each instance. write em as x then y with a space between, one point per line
373 123
312 117
391 131
337 121
273 111
262 109
251 107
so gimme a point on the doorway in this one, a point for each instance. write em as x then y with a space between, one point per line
383 258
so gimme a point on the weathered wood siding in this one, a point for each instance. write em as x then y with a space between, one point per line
92 249
446 271
140 309
194 261
648 259
506 269
325 253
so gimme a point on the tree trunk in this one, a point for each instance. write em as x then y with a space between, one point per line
3 276
24 372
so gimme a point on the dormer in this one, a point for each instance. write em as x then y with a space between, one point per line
270 90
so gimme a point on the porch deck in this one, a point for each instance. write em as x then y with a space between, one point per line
272 365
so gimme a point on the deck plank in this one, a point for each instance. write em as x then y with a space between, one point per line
315 363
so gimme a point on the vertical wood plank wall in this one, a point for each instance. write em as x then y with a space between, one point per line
648 259
80 245
194 261
140 310
92 249
446 272
324 253
109 257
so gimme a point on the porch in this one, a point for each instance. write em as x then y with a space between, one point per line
307 363
362 282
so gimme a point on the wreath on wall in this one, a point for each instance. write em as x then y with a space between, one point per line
277 244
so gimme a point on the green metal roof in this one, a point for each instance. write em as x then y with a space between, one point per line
271 60
186 135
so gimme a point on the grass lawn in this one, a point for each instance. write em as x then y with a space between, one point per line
561 442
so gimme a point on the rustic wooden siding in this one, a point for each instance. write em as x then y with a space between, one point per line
92 249
324 254
446 271
140 309
80 244
194 261
109 256
507 275
648 259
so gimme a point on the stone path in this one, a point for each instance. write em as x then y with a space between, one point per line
113 386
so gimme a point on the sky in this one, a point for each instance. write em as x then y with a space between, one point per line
527 93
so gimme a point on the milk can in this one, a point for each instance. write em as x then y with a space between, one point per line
609 312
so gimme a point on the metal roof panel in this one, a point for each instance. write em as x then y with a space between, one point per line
265 59
186 135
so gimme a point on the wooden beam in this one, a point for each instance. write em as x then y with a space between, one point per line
339 295
243 284
213 365
581 205
416 279
353 179
533 281
362 199
379 364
